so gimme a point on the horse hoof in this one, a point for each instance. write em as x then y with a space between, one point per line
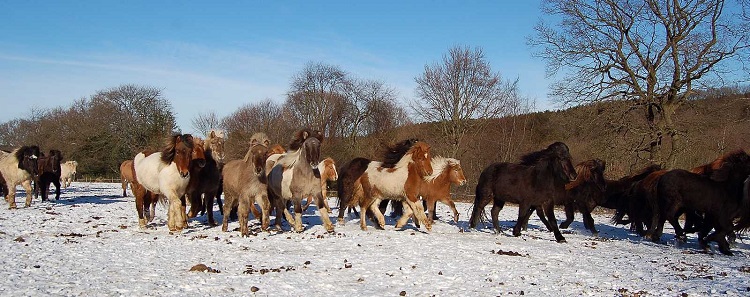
562 240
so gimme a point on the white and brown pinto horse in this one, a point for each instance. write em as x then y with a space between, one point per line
399 177
244 184
296 176
19 167
167 174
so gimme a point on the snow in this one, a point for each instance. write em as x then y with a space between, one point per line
89 243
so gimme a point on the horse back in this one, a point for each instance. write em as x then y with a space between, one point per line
348 175
693 190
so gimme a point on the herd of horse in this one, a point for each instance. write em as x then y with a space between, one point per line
192 171
27 165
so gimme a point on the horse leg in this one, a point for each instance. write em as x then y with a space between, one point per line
377 214
11 196
195 203
453 208
124 187
309 201
570 212
404 218
524 212
228 200
431 203
56 182
588 221
27 186
208 207
416 207
43 190
139 199
298 216
549 210
324 213
243 212
495 212
540 214
265 216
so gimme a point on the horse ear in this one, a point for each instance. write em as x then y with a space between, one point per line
212 134
253 142
267 143
305 134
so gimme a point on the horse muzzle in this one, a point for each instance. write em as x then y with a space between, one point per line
185 174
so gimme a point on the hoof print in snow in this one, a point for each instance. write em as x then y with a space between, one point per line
203 268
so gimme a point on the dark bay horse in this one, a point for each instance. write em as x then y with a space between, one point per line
204 183
296 176
625 196
720 197
19 167
537 181
49 173
583 194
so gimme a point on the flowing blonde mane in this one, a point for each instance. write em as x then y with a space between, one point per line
440 164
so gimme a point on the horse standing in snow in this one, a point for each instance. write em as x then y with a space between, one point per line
68 172
167 174
49 172
19 167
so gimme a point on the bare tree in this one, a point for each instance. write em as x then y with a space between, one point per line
265 116
651 53
460 92
204 122
315 99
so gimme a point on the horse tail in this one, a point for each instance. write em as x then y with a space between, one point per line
482 196
743 225
348 175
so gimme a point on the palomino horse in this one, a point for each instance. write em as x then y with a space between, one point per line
49 172
296 176
245 182
68 172
399 178
327 173
538 181
204 183
167 174
19 167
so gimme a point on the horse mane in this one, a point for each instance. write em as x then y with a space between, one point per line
167 154
584 172
538 157
395 152
718 172
216 133
439 165
20 152
302 135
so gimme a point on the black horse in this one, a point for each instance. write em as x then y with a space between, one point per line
49 172
537 181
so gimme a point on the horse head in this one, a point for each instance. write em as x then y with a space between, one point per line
329 167
589 171
53 161
215 143
456 172
198 155
562 163
420 154
732 167
179 150
28 158
311 151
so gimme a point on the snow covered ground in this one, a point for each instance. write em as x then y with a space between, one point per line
88 243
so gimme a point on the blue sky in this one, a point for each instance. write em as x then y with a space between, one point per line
219 55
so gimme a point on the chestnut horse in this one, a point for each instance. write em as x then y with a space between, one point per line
19 167
537 181
49 173
127 175
296 176
327 173
437 186
204 182
244 182
399 177
167 174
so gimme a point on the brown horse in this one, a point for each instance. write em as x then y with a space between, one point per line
204 183
244 182
49 173
399 177
296 176
167 173
623 195
538 181
127 175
